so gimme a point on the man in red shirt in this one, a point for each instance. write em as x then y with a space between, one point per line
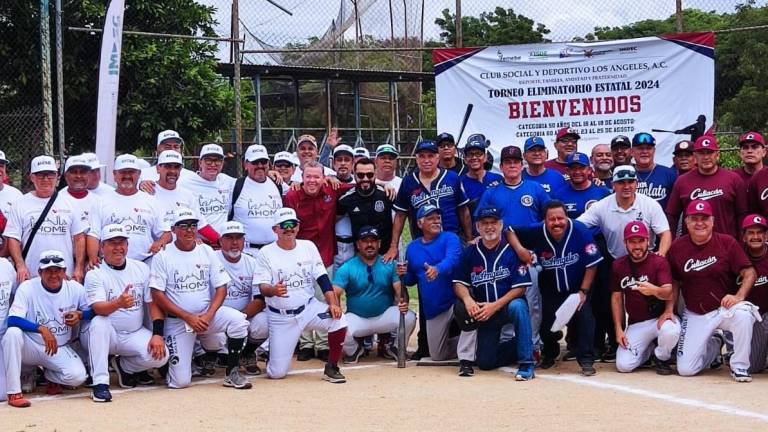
724 190
751 152
315 206
754 237
705 266
566 143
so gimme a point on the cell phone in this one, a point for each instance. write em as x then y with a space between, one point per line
324 315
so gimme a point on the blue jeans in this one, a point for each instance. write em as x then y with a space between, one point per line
491 353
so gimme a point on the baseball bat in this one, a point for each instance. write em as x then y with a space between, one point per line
401 342
662 130
464 123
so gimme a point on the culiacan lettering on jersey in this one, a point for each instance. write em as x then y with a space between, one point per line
631 282
705 194
699 265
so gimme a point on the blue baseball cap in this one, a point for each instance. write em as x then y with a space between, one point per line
577 159
476 141
533 142
426 146
445 136
426 210
488 212
643 138
368 231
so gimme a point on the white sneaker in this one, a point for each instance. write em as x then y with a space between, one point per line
741 375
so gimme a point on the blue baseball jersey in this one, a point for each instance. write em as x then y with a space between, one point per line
443 252
369 289
491 273
578 201
563 262
474 190
445 192
550 179
520 205
657 183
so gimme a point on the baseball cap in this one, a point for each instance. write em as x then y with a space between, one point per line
426 210
169 134
698 207
705 142
42 164
52 258
256 152
368 231
2 157
564 132
127 161
488 212
620 141
76 161
426 146
643 138
754 220
445 136
577 159
387 148
511 152
285 214
752 137
476 141
683 146
306 138
233 227
181 214
211 150
170 157
362 152
283 156
113 231
343 148
533 142
636 229
93 160
624 172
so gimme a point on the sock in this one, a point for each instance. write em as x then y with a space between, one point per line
234 346
250 349
335 341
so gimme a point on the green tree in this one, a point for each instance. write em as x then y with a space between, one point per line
499 27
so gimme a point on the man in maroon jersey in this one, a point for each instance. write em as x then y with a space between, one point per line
705 265
641 282
724 190
566 143
751 152
754 238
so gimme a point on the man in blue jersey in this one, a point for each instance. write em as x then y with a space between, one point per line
490 281
430 262
579 193
653 180
477 179
429 184
446 146
535 154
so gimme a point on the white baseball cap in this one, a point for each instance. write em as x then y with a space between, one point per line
170 157
42 164
2 157
211 150
343 148
233 227
113 231
362 152
169 134
77 161
284 156
182 214
256 152
285 214
387 149
127 161
93 160
52 258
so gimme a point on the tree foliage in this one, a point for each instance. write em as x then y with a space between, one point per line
498 27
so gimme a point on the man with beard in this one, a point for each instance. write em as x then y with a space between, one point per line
368 204
166 140
602 164
682 157
535 154
446 146
621 149
211 189
752 153
477 179
754 230
345 249
76 172
641 282
653 180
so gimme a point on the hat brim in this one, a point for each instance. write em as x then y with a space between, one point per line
429 213
621 144
287 220
61 265
341 152
569 134
175 223
375 236
427 149
218 155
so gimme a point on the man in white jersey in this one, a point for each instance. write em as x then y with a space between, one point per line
286 273
76 172
61 229
259 199
242 295
211 188
285 164
345 248
166 140
7 286
306 151
189 284
118 291
135 210
386 166
8 193
41 320
95 185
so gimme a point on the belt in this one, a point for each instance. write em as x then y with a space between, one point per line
255 246
348 240
296 311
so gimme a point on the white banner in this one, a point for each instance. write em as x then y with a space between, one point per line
109 82
661 85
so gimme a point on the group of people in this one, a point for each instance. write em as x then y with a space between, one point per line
176 272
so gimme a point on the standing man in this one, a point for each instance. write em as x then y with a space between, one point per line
287 272
95 185
7 286
76 171
641 285
705 265
343 157
566 142
653 180
752 153
682 157
602 164
579 193
446 146
210 188
535 154
29 232
754 237
724 190
386 167
490 281
477 179
8 193
189 284
306 150
285 164
166 140
621 149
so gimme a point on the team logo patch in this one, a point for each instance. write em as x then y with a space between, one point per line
327 198
379 206
477 269
589 204
591 249
526 200
522 270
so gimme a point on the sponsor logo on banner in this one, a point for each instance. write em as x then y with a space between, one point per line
628 50
505 59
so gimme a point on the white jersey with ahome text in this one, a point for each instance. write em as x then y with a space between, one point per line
168 200
106 283
255 209
7 287
211 197
240 289
298 268
8 196
188 277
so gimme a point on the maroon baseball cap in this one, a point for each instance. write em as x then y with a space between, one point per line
705 142
754 220
698 207
564 132
511 152
636 229
752 137
683 146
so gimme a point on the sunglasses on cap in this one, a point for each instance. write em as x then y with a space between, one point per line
644 138
288 224
368 175
624 175
51 259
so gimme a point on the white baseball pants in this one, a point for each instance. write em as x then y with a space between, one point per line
387 322
697 348
441 347
640 337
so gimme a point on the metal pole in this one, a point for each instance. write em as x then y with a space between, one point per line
160 35
45 60
328 117
60 83
236 65
356 90
459 36
392 114
679 15
258 109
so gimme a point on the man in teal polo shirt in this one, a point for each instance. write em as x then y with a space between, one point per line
375 298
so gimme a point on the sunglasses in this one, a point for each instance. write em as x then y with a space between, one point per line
288 225
51 259
212 161
186 226
260 162
368 175
283 165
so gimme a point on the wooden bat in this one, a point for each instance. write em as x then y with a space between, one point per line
401 346
467 113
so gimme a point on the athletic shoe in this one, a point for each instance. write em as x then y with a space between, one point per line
144 378
101 393
333 375
18 401
537 357
28 382
569 356
124 379
355 357
390 352
197 371
466 369
250 365
234 379
524 372
305 354
323 355
207 364
741 375
419 354
53 389
718 361
546 362
609 356
262 355
662 367
588 370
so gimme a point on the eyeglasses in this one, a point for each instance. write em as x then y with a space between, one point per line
51 259
474 155
567 140
260 162
368 175
212 161
48 175
283 165
186 226
288 224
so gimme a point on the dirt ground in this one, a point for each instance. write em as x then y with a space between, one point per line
378 396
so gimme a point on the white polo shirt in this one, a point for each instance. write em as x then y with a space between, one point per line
611 219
